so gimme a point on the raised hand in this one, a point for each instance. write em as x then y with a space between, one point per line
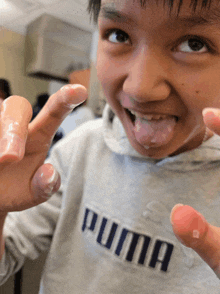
25 180
189 226
192 230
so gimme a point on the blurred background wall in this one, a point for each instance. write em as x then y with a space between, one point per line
12 66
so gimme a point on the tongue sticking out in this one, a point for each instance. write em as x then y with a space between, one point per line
154 132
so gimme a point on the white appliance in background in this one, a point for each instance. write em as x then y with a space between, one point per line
54 48
17 14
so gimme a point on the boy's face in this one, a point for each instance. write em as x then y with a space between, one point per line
161 67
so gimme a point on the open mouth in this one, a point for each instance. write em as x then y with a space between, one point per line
131 115
152 130
148 117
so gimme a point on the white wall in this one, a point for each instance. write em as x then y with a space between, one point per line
54 86
12 67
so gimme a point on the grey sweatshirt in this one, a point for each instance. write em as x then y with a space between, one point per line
108 229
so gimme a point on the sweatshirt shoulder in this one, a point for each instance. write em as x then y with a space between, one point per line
80 140
92 128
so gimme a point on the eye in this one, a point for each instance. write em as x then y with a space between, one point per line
117 36
193 45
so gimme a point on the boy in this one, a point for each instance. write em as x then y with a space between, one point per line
107 228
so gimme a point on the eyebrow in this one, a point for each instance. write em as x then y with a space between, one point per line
192 21
113 14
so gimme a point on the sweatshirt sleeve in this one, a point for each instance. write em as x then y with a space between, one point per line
28 233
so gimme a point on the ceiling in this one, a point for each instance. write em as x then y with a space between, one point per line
15 15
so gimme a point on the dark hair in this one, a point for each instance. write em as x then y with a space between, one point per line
40 102
95 5
5 87
42 99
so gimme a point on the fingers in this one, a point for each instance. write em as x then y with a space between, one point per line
46 182
191 229
56 109
211 117
16 113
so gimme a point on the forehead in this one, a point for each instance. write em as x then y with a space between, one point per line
170 3
175 8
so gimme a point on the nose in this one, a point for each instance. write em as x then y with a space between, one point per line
146 79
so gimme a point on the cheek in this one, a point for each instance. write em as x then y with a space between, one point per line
107 75
103 65
110 69
100 67
200 91
103 73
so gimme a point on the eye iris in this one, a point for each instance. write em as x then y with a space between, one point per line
195 44
120 37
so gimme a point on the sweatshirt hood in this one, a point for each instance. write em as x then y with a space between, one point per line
116 139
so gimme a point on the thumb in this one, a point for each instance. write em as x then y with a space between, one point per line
46 182
211 117
192 229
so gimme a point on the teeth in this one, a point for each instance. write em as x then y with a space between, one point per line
133 112
148 116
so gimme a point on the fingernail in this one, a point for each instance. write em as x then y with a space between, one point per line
11 146
50 184
210 111
71 86
188 225
173 210
45 182
75 105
